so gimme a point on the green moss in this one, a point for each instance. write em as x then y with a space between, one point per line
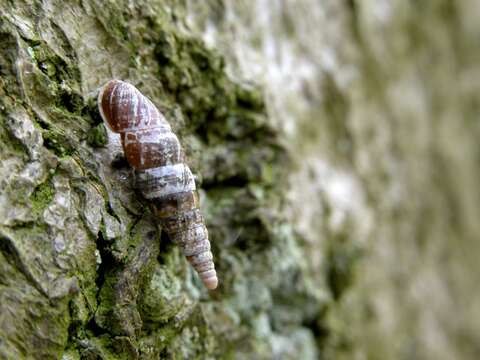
97 136
250 98
153 345
57 141
50 63
194 76
42 197
71 354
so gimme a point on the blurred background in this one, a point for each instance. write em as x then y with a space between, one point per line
378 102
336 145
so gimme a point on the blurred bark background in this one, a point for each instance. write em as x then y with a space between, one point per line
336 148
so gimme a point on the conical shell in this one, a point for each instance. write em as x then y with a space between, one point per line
163 178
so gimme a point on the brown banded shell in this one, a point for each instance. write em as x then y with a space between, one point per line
161 175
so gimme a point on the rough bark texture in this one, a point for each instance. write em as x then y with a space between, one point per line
343 209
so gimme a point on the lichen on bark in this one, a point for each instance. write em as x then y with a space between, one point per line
335 145
84 271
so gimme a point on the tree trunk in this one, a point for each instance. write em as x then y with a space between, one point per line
336 148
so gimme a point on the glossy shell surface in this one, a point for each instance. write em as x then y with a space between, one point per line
161 174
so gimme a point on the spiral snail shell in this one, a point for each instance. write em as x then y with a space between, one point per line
161 174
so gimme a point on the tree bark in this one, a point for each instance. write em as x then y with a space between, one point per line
84 273
336 150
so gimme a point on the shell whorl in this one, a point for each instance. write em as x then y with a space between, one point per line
155 153
124 108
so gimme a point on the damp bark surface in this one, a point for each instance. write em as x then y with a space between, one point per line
335 150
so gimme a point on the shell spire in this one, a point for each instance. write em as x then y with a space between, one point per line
161 174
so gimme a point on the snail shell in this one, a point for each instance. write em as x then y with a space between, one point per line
161 174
